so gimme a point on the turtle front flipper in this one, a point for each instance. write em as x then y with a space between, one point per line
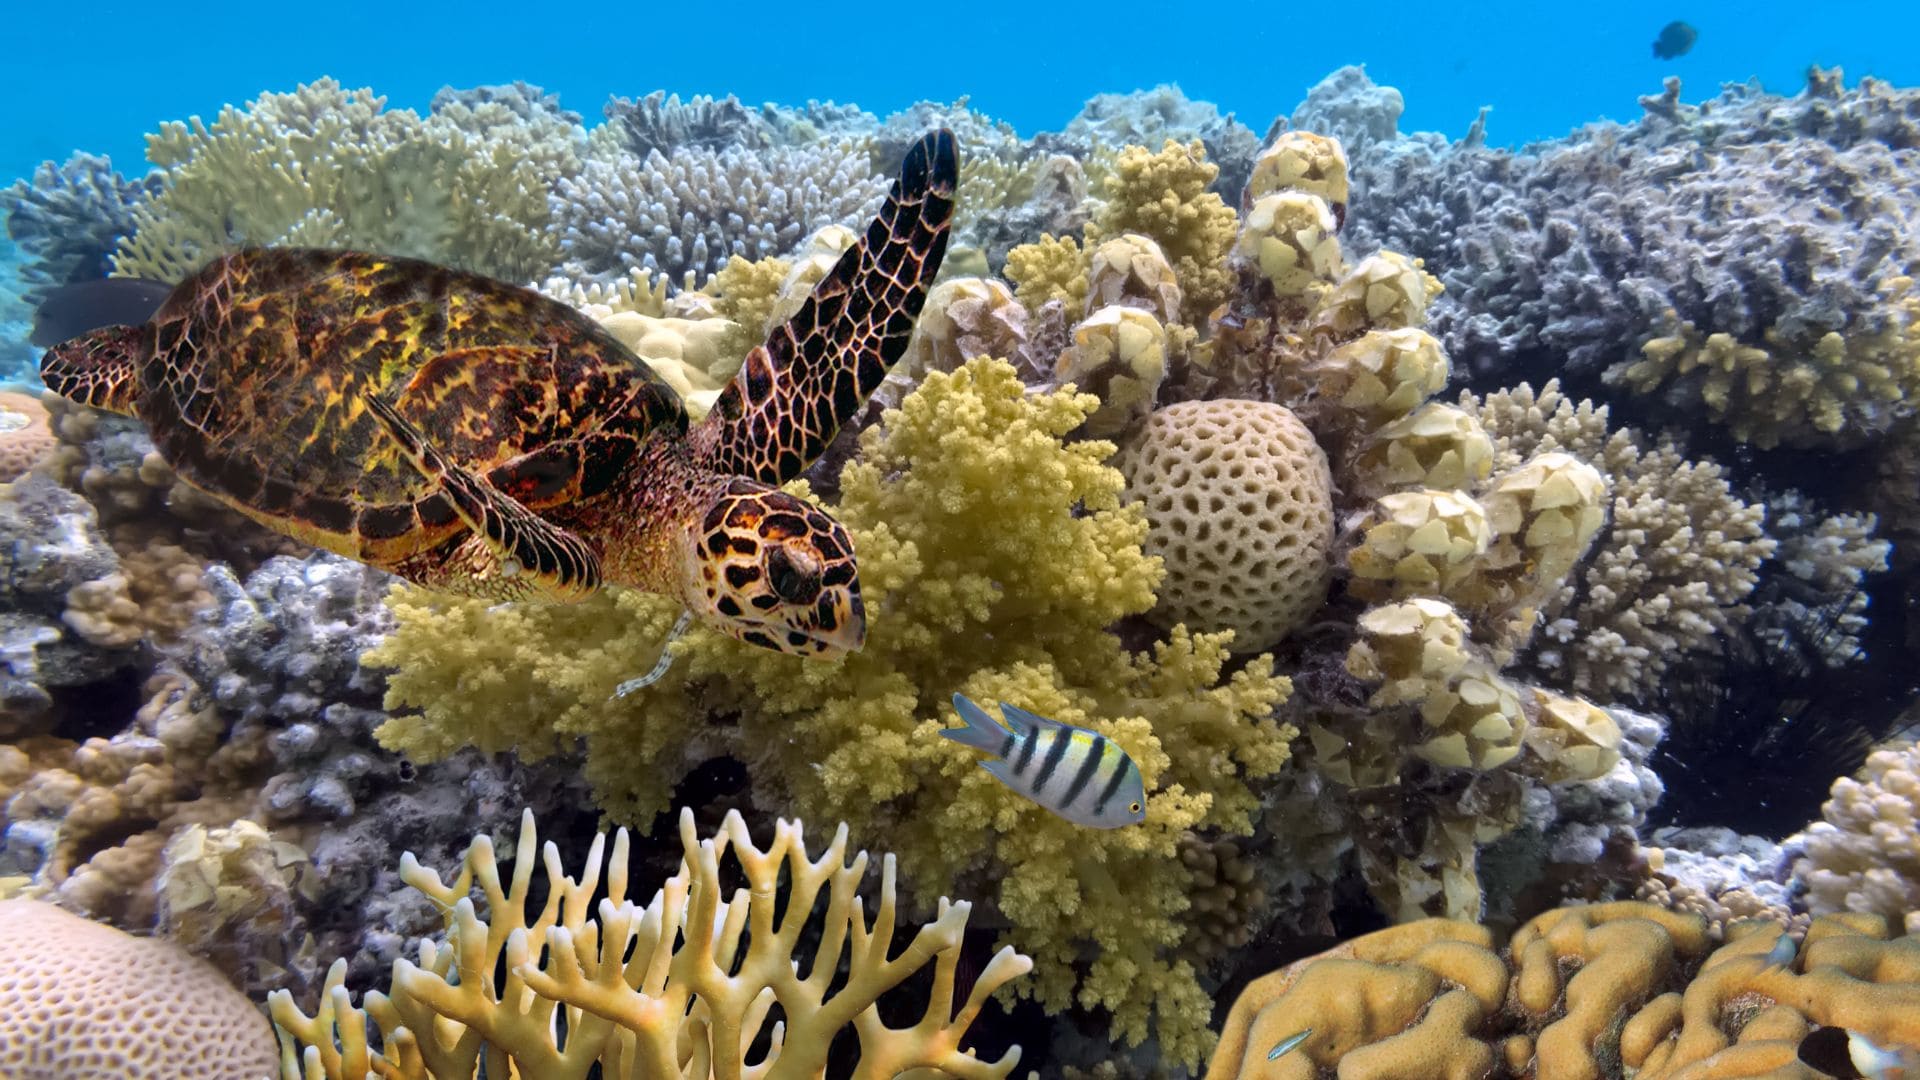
100 368
552 562
793 393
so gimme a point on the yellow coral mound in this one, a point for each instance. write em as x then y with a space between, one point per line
993 558
1582 993
690 998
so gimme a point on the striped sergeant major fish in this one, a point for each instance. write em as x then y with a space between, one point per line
1075 773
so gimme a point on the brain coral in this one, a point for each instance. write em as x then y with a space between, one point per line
78 998
1240 506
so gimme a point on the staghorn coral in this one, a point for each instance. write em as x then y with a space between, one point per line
328 166
83 999
1865 855
691 1000
945 533
1814 604
692 210
1674 568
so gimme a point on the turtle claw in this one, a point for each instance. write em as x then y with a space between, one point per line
539 556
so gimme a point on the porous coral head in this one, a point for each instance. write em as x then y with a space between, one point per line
82 999
1239 505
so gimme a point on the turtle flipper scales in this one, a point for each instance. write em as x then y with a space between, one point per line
793 393
536 556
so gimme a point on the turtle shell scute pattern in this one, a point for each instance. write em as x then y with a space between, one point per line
262 363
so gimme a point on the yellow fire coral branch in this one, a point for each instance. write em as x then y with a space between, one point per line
693 993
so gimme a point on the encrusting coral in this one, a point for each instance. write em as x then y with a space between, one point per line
1609 990
692 998
946 529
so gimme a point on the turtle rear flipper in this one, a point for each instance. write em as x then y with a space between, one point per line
793 393
553 562
100 368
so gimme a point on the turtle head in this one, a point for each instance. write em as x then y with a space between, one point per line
774 571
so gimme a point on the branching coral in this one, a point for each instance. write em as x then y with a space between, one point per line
1673 569
946 529
328 166
691 999
1599 991
1865 856
69 218
693 209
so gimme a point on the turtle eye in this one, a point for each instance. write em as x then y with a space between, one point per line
794 577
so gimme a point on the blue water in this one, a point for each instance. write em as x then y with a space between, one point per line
98 76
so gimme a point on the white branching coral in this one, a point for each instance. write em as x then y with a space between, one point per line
680 987
690 210
1866 855
1673 569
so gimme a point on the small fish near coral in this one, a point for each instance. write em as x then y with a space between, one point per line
68 311
1077 774
477 437
1675 39
1852 1056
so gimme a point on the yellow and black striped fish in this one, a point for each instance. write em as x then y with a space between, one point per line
1078 774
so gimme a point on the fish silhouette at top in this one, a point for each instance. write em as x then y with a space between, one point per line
1675 39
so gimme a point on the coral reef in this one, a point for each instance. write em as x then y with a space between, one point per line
693 997
1750 257
1577 992
79 996
945 530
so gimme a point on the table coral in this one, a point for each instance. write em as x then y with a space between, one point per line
82 999
1604 991
690 1001
953 495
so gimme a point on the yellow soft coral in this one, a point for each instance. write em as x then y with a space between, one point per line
1163 195
993 557
1050 269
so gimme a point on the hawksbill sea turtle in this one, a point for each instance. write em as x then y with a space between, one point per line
477 437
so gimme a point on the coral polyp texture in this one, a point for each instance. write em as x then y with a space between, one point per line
1622 989
682 985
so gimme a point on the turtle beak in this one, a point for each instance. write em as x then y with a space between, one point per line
838 625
